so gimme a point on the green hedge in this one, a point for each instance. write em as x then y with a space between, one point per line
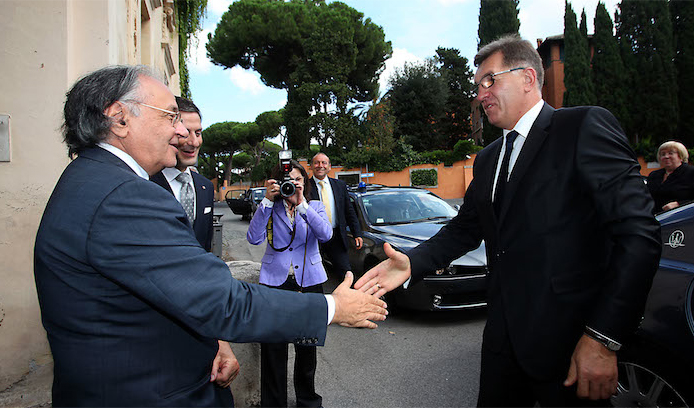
424 177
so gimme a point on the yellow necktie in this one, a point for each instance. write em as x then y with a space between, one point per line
326 200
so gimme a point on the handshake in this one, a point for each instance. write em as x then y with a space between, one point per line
360 306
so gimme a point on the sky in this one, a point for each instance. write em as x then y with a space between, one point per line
415 29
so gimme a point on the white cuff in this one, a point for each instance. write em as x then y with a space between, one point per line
331 307
302 207
267 203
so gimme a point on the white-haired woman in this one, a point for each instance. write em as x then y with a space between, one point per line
673 185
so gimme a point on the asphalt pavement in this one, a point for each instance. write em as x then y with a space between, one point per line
413 359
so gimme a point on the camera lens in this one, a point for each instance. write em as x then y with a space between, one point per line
287 189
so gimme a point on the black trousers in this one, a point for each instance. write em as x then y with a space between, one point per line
273 367
335 251
504 383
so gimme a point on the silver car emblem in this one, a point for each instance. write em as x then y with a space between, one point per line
676 239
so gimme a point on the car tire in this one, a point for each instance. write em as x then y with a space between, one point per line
641 386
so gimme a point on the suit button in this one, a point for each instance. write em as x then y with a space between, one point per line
296 266
291 249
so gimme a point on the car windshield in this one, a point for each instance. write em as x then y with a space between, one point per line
398 207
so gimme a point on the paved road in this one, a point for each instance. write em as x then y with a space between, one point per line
412 360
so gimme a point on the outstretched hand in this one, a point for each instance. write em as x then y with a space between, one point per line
357 309
387 275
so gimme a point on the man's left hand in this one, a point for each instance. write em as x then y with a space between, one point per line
593 369
225 366
358 241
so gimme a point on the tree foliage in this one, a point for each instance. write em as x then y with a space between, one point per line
608 69
644 29
497 18
579 87
324 55
455 124
418 96
189 16
683 30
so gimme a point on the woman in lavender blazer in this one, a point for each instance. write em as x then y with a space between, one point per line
293 227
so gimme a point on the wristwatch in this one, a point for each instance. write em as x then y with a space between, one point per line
602 339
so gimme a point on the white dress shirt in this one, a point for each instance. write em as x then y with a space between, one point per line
331 197
170 173
523 128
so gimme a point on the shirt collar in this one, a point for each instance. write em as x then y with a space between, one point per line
171 173
128 159
317 180
526 121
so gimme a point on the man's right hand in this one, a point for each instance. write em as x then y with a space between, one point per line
356 309
387 275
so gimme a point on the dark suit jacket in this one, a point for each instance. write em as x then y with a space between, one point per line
343 209
575 243
679 186
132 304
204 197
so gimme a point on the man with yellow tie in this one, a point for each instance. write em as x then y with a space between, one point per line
333 194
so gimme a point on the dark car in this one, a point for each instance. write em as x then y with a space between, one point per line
244 203
405 217
655 366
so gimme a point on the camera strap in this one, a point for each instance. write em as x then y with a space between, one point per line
270 235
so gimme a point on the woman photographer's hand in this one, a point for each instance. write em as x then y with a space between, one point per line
272 189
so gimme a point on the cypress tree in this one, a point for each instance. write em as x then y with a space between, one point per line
497 18
683 31
583 27
608 69
647 47
579 88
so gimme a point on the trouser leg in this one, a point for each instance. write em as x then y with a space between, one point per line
273 374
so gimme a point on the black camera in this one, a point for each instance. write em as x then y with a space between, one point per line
287 187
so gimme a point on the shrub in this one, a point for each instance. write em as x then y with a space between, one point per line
424 177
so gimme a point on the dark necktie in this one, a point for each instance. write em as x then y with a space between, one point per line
187 195
503 172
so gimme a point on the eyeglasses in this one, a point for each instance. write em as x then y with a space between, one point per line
174 116
488 80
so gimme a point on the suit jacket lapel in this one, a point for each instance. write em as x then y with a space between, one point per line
334 187
531 147
485 174
281 213
160 179
199 192
314 189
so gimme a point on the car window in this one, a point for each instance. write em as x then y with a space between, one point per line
258 194
396 207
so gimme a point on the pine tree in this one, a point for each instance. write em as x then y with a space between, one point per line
579 88
646 43
497 18
683 30
607 67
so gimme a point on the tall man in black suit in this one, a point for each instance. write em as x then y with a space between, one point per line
131 303
225 366
333 193
201 191
571 243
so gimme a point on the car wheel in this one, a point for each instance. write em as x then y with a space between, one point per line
640 387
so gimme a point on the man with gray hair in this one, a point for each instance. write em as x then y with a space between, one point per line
571 243
131 303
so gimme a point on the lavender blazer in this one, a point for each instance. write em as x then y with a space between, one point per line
311 228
